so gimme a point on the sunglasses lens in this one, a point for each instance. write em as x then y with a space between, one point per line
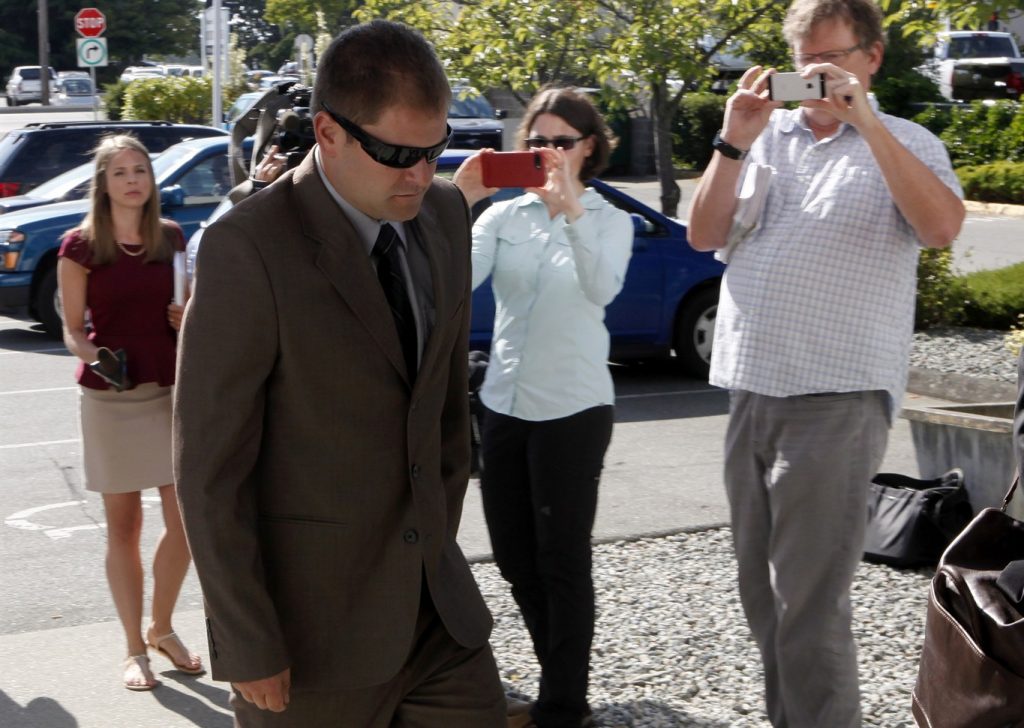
566 143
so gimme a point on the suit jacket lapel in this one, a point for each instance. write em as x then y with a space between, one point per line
343 259
438 250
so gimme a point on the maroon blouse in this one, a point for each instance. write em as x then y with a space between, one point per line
127 301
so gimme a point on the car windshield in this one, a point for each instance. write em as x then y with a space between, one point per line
469 106
169 160
77 86
59 186
981 46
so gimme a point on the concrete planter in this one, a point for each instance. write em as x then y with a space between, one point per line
978 438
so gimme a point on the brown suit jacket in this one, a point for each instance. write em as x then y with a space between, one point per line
317 489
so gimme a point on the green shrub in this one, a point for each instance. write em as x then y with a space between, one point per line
979 133
113 99
941 296
898 95
182 100
996 297
996 182
935 119
700 116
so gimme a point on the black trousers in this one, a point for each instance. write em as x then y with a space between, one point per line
539 490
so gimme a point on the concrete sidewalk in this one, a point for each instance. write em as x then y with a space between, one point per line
69 677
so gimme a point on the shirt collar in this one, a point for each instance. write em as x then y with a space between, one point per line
591 199
366 227
793 118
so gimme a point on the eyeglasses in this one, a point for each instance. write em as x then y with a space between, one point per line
803 59
565 142
390 155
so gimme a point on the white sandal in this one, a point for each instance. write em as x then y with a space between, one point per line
142 662
156 643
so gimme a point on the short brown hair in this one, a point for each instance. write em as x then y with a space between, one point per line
864 16
578 111
378 65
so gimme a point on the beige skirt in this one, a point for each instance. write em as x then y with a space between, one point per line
126 438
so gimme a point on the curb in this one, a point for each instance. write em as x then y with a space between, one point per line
994 208
959 387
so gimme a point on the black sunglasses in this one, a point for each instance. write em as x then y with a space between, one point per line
390 155
565 142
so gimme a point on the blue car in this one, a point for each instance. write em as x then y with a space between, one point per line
669 299
667 303
192 178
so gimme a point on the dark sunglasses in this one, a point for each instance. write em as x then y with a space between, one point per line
390 155
565 142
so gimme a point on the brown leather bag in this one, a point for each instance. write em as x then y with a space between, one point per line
972 664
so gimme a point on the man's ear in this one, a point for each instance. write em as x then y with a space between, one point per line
328 134
876 53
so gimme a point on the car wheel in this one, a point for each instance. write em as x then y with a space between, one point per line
695 331
47 304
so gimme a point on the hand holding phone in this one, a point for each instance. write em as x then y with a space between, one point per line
794 87
513 169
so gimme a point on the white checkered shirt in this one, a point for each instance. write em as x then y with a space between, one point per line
820 298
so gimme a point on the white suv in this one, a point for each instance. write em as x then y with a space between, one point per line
23 85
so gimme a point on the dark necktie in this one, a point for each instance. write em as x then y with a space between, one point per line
389 273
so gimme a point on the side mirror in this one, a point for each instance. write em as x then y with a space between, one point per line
172 196
500 113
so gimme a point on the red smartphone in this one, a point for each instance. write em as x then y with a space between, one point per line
513 169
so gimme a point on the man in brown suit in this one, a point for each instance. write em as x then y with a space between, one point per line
321 419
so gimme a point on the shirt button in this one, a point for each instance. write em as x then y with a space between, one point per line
411 536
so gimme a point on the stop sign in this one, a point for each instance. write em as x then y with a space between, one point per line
90 22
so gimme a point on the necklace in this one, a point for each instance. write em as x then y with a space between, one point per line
132 253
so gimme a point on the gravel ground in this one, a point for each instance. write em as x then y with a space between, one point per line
672 647
973 352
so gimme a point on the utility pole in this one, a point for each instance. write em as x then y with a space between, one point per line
44 54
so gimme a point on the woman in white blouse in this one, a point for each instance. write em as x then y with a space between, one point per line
557 255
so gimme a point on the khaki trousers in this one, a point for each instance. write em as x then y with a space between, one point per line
797 471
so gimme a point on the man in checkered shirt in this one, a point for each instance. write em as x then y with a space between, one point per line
812 339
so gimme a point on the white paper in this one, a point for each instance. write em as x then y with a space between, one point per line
749 206
179 279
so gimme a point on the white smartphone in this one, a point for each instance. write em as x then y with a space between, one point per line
794 87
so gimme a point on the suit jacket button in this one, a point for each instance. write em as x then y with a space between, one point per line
415 471
411 536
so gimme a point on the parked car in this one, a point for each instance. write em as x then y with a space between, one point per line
975 64
23 86
76 91
134 73
37 152
475 123
70 185
242 104
668 302
192 178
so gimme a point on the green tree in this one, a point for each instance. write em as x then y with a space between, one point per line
649 53
293 17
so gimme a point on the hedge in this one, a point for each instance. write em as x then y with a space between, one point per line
996 182
995 298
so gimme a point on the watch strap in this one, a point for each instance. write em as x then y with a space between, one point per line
726 149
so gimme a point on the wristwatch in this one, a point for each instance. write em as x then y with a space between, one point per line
726 149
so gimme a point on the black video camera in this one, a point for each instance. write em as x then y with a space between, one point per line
282 117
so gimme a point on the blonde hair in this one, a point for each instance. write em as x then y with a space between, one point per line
98 226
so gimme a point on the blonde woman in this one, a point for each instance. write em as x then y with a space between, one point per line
117 266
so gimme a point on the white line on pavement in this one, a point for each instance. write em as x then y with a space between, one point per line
38 391
38 444
667 394
35 351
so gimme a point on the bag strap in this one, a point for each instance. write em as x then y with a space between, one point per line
1009 493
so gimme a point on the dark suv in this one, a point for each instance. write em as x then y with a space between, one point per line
36 152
